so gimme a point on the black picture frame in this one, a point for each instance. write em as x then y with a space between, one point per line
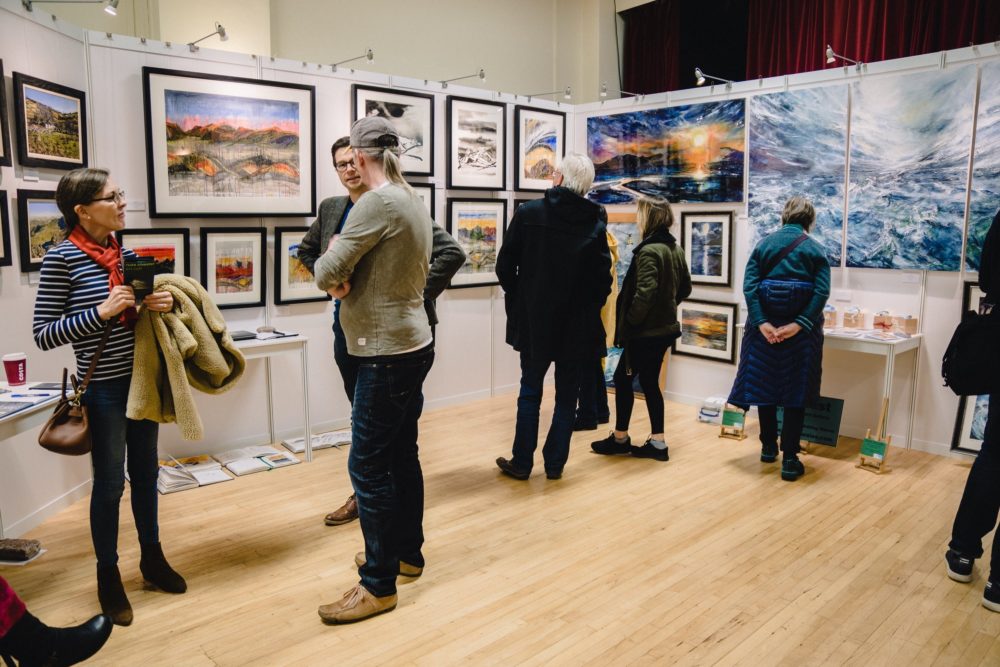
543 181
6 259
429 189
251 235
684 348
183 235
282 297
457 180
265 147
417 158
724 218
34 242
5 156
54 93
465 277
963 420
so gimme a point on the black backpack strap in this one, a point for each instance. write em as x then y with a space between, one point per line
785 252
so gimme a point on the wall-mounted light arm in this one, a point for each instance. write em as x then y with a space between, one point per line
700 77
604 92
368 55
566 92
831 57
481 75
110 6
219 30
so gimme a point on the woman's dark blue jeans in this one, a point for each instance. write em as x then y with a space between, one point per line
114 435
385 467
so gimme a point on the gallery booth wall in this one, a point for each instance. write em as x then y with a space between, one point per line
472 360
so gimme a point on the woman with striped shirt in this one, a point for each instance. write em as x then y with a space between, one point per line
80 291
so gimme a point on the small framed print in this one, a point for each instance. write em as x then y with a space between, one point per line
413 116
539 142
426 194
478 226
707 239
970 426
972 297
51 124
293 282
232 265
39 226
707 330
476 145
6 259
5 159
167 247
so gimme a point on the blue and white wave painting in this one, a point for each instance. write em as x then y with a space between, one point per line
977 430
798 146
910 141
985 165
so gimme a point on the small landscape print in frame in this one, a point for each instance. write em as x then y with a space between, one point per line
51 124
167 247
412 114
478 226
232 265
39 226
707 239
426 194
6 259
219 146
5 160
476 145
293 282
540 142
970 427
707 330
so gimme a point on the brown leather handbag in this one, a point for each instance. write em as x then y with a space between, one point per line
68 430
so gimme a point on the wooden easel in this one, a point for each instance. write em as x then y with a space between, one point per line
734 430
875 452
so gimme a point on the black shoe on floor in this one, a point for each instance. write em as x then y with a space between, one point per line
610 446
959 566
991 596
553 474
76 644
647 451
508 468
769 453
792 469
580 425
111 595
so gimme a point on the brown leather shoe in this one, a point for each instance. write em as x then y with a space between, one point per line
356 605
405 569
346 514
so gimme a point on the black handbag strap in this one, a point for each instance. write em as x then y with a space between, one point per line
82 387
785 252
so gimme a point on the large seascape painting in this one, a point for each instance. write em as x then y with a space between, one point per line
798 146
910 141
691 153
221 146
985 198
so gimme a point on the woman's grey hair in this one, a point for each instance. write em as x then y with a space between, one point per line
654 215
79 186
391 165
799 211
577 171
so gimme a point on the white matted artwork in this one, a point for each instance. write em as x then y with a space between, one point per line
539 140
478 226
476 145
707 330
412 114
971 425
293 282
232 265
707 239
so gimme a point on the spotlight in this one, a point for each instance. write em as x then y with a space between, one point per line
700 78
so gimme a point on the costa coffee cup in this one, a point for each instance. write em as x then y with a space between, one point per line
16 367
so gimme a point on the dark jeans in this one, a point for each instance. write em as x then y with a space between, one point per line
593 404
977 513
385 467
347 364
555 452
643 357
791 427
113 436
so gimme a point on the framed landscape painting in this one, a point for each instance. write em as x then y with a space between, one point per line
476 145
168 247
412 114
39 226
707 330
5 160
539 142
707 239
232 265
478 226
220 146
51 124
970 427
293 282
6 259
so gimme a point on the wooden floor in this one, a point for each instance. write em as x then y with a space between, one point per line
707 559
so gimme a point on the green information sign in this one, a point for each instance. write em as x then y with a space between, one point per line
873 449
733 418
822 423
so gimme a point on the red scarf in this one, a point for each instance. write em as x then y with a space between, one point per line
109 257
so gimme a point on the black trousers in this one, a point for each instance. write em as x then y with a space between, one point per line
791 427
977 513
644 358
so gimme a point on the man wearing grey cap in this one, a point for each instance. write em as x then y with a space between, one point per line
378 268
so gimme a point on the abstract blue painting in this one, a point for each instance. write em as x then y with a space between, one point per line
910 142
985 165
798 146
690 153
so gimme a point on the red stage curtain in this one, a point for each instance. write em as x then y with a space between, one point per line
651 47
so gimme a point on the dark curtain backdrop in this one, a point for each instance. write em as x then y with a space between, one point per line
651 47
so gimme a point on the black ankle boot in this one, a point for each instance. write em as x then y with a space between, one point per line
157 571
32 643
111 595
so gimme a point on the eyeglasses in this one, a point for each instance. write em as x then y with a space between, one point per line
344 166
118 196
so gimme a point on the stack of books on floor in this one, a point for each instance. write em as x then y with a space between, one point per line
189 472
246 460
320 441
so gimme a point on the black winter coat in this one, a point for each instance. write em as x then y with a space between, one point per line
555 270
989 265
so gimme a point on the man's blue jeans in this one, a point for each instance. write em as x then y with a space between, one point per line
555 452
385 467
113 435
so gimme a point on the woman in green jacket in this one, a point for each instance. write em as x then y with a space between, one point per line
646 325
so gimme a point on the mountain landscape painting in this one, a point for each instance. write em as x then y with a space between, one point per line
690 153
51 124
985 199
